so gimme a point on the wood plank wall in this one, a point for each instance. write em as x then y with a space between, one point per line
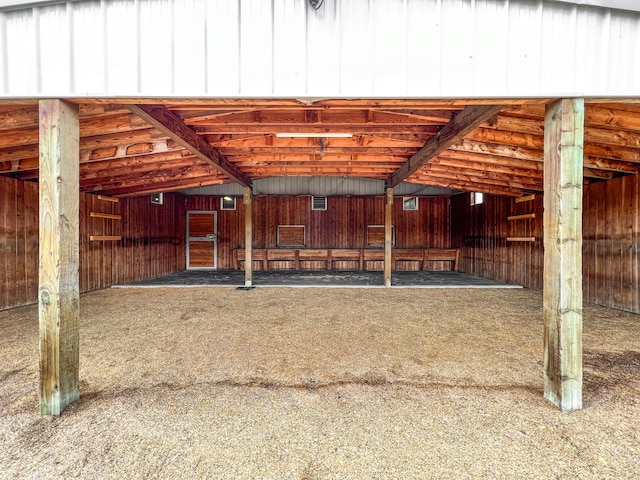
611 241
481 231
152 241
342 225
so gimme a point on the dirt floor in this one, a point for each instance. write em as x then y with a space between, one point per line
320 383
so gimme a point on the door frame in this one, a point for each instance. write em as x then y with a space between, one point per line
215 241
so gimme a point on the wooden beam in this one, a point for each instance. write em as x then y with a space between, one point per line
104 198
110 216
521 239
132 191
469 187
462 124
526 198
562 285
388 236
58 290
524 216
248 237
171 125
270 128
110 238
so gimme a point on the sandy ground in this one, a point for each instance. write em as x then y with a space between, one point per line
320 383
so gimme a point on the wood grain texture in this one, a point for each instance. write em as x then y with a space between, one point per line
58 285
562 287
388 239
152 241
170 124
248 236
461 125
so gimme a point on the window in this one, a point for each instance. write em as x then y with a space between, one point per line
375 235
228 203
291 236
477 198
409 203
157 198
318 203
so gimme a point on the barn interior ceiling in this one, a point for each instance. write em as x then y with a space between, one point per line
137 147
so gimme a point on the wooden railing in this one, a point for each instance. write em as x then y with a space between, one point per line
355 255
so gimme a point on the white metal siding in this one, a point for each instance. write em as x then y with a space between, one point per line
318 186
347 48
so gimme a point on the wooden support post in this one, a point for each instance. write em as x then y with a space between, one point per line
248 237
562 287
58 291
388 240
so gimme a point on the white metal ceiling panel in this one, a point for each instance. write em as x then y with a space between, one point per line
345 49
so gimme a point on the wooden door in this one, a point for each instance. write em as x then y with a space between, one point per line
202 240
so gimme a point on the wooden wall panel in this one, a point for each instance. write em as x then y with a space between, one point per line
152 241
342 225
611 241
481 232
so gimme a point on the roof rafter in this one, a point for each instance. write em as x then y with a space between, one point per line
173 126
462 124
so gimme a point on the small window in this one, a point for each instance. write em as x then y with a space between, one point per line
375 235
291 236
157 198
228 203
410 203
318 203
477 198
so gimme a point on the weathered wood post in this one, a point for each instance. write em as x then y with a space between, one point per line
562 287
58 290
388 236
248 237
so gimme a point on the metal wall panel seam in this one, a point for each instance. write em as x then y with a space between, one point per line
70 30
4 78
38 66
355 66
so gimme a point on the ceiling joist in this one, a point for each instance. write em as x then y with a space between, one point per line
173 126
461 125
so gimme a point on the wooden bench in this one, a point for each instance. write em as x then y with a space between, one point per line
441 254
257 255
409 255
283 255
357 255
315 255
346 255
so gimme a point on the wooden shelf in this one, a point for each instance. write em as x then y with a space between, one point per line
108 199
526 198
524 216
97 238
110 216
521 239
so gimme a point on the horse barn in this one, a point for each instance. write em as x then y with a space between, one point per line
463 173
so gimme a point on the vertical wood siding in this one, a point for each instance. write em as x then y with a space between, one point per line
611 241
152 241
153 237
342 225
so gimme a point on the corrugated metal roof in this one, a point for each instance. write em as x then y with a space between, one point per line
346 49
319 186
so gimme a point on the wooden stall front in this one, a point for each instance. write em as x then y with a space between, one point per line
348 235
121 240
493 246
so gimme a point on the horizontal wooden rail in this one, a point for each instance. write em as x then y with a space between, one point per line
108 199
96 238
111 216
358 255
521 239
526 198
524 216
